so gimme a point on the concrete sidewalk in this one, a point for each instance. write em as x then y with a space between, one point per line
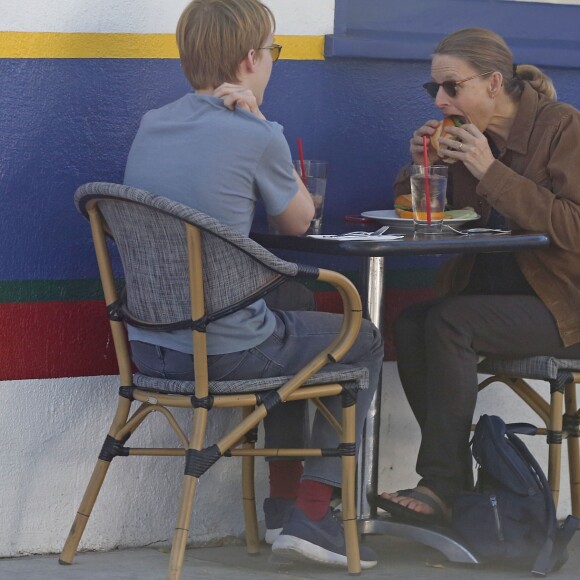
398 559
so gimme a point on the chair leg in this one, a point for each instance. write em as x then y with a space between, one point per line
573 448
555 443
188 489
249 496
574 466
81 519
348 492
93 488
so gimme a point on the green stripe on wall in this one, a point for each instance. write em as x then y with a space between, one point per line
411 279
74 290
50 290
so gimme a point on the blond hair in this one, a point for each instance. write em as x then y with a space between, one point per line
486 51
214 36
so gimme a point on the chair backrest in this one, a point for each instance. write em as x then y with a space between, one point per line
150 234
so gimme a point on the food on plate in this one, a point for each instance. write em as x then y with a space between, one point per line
467 213
404 206
404 209
441 131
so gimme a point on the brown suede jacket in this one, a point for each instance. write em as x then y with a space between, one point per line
535 184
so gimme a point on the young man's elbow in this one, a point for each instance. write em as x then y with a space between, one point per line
292 225
299 228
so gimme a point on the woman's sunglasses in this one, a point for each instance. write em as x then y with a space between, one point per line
450 87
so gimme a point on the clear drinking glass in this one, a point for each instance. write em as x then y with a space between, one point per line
315 182
428 183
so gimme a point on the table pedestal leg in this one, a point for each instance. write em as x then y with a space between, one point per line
367 475
372 293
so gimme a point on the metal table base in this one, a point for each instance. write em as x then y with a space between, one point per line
438 538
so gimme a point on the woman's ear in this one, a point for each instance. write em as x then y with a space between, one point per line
495 84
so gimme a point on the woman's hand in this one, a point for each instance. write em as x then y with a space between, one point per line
238 97
416 143
471 148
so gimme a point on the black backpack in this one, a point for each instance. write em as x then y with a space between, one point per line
511 515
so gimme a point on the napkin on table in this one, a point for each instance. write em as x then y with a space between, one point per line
353 238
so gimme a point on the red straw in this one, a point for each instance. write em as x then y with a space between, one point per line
427 192
301 157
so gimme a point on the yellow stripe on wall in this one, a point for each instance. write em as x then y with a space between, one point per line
301 47
109 45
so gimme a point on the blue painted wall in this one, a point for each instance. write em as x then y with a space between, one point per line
541 33
66 122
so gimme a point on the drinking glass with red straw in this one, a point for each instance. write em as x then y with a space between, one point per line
427 191
301 158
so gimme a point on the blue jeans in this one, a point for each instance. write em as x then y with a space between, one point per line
298 337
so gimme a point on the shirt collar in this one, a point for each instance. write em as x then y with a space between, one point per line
523 125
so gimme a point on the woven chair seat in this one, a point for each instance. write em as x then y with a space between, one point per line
536 367
560 414
352 377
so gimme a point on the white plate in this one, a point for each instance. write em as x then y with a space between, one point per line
389 217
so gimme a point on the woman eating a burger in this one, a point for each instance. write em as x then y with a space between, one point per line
514 159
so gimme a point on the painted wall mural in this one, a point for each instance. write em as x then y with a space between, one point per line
76 79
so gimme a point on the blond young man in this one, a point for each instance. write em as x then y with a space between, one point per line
214 150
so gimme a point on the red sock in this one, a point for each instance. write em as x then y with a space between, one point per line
314 498
285 478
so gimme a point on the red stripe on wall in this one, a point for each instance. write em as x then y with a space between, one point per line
41 340
328 301
397 301
55 339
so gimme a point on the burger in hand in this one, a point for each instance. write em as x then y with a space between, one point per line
441 131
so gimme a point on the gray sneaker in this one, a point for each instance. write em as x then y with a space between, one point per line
276 512
320 541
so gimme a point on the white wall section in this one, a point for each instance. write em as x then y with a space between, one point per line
52 432
293 17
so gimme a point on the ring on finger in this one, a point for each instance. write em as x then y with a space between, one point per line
460 146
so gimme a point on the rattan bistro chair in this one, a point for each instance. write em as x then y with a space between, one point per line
563 375
183 269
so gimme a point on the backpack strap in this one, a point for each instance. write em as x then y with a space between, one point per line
554 547
521 428
563 536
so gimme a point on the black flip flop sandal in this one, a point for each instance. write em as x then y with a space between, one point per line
406 514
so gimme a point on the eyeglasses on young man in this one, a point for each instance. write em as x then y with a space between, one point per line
275 50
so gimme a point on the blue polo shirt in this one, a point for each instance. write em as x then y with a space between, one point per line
221 162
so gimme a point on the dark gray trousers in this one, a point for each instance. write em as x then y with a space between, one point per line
438 343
